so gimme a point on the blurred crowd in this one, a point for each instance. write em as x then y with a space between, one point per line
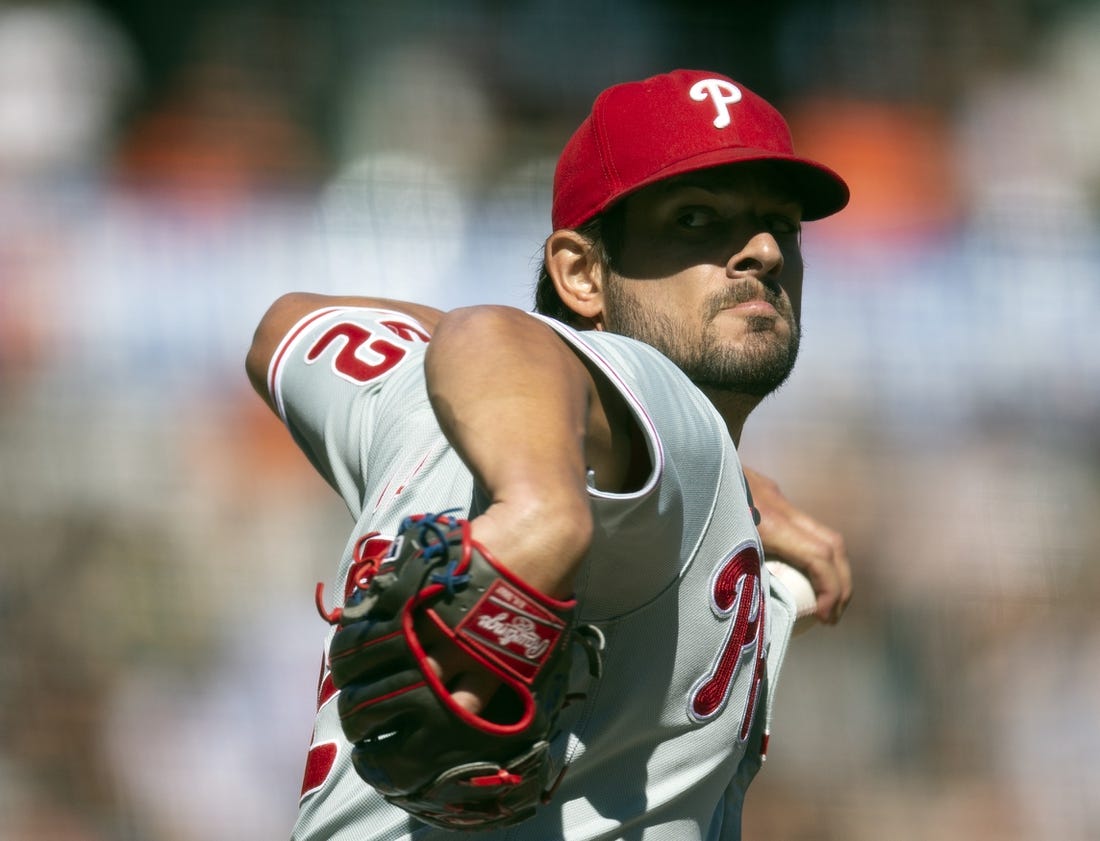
167 170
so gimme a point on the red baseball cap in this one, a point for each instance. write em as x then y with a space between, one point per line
642 132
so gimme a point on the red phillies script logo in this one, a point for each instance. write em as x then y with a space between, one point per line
736 598
319 763
514 631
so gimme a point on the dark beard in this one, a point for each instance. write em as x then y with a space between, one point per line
757 368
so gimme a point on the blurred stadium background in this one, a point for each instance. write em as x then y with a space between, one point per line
168 169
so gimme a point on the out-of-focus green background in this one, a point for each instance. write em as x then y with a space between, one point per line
168 169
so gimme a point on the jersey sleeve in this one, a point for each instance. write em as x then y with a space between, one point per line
325 379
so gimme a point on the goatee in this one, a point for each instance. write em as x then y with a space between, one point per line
759 365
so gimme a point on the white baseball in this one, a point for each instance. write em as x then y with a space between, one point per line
803 592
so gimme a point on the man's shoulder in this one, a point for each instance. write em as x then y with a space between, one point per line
647 379
615 346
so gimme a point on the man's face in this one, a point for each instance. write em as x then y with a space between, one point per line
710 274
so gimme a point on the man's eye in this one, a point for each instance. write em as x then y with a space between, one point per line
695 218
780 224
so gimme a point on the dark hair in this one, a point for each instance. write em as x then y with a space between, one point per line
604 233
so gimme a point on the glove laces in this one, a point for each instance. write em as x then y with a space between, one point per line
364 567
433 535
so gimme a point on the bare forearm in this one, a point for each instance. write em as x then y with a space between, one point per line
514 401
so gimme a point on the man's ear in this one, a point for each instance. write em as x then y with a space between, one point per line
577 275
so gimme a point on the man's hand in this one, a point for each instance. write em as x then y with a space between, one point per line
471 685
793 536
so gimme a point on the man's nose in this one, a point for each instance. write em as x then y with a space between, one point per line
760 257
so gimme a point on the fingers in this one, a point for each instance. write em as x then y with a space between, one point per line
470 684
793 536
473 690
471 687
820 553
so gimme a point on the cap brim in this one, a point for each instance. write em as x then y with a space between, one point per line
819 190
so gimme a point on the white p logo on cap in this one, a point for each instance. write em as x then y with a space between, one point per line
721 93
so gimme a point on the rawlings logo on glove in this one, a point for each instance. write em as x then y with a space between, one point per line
517 630
411 740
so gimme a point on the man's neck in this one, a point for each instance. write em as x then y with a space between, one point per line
733 407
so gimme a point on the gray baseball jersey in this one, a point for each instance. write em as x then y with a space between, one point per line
668 739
